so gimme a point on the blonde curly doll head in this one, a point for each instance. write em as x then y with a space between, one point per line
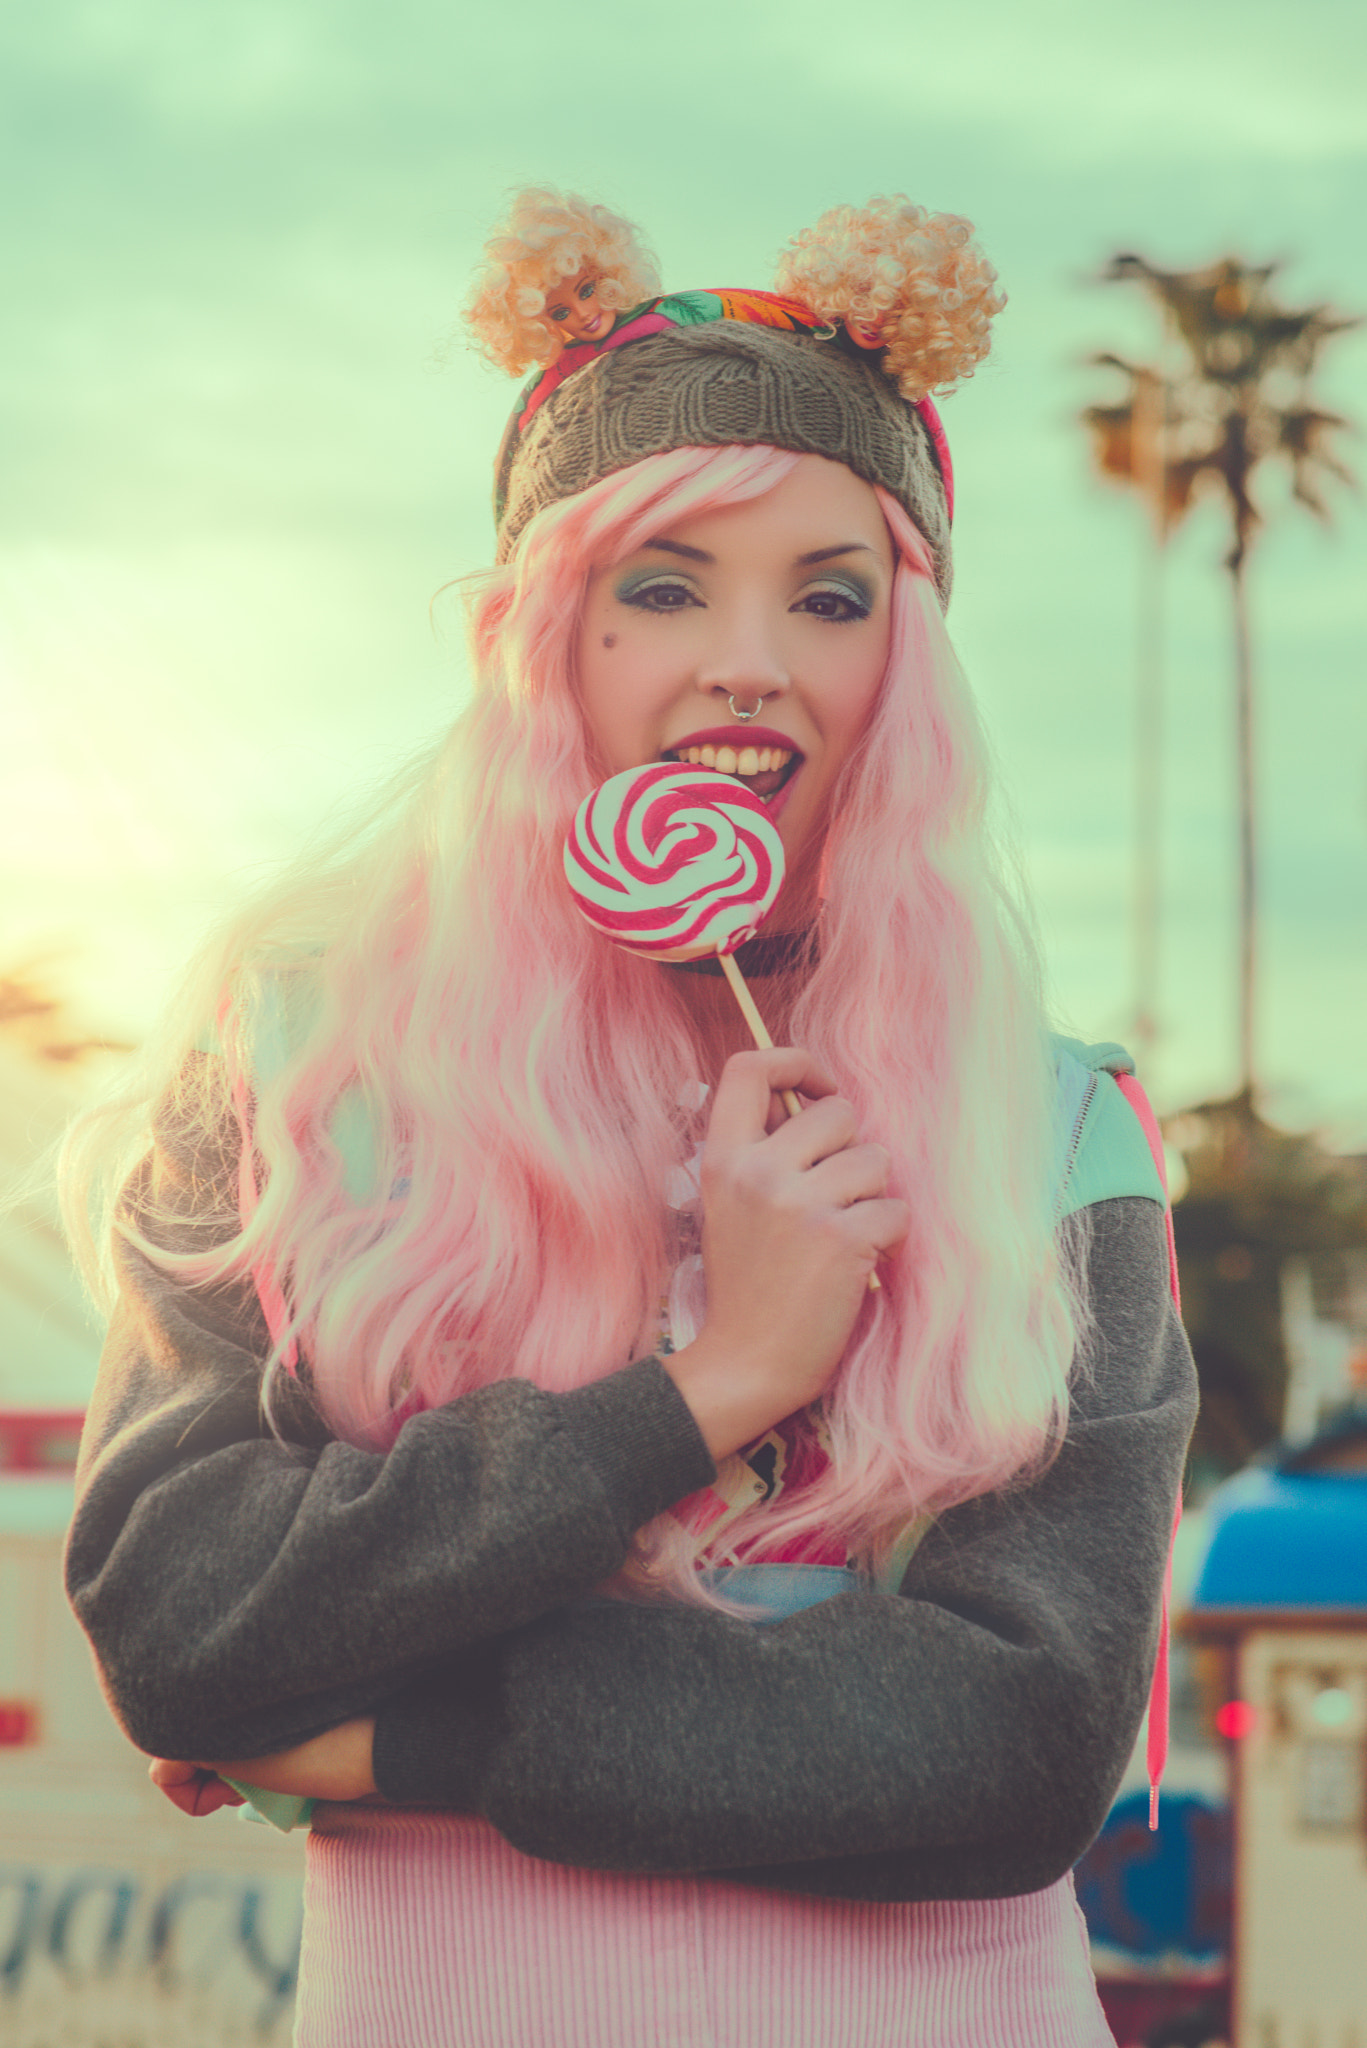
551 240
899 278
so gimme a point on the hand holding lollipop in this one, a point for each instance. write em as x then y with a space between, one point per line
677 863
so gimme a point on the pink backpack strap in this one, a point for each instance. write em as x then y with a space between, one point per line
1156 1755
1148 1123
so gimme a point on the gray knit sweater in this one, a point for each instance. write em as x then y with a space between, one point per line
962 1739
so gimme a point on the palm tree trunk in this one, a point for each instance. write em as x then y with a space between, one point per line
1243 724
1148 757
1150 446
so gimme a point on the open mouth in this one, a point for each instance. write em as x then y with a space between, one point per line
763 770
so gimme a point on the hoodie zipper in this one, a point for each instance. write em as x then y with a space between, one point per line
1074 1141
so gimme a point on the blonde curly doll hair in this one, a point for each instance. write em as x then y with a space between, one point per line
914 281
547 237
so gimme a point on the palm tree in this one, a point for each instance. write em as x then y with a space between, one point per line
1258 1201
1240 397
1132 443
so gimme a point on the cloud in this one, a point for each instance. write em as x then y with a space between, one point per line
1074 80
1071 74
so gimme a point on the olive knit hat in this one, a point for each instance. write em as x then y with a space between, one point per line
721 385
875 307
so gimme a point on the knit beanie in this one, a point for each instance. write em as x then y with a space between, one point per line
725 384
875 307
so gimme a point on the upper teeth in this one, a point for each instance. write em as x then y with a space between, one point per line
746 761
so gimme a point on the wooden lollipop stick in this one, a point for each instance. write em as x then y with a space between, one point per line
759 1032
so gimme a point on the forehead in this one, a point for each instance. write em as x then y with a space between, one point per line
559 294
819 504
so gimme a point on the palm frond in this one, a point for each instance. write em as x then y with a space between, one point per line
1226 409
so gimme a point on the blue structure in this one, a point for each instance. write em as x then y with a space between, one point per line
1291 1535
1155 1895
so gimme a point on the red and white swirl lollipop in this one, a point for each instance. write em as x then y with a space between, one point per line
674 863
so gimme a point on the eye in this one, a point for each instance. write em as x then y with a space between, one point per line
560 312
839 606
588 288
658 596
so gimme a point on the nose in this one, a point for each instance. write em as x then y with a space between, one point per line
743 660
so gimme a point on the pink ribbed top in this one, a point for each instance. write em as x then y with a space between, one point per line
425 1930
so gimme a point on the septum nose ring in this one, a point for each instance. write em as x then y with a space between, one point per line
754 712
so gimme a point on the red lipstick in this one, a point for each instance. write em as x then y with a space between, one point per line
736 736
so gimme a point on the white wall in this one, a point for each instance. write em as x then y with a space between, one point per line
1301 1871
120 1919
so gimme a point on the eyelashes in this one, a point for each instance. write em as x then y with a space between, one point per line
857 603
838 604
585 291
656 593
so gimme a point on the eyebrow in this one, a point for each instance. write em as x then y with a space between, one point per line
848 547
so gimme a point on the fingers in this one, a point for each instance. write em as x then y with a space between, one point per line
824 1129
884 1223
856 1206
747 1087
212 1793
165 1772
852 1173
193 1788
334 1765
869 1228
821 1132
820 1143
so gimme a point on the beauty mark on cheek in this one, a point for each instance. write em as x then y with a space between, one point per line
609 639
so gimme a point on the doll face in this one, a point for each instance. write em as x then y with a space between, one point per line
573 312
863 337
786 599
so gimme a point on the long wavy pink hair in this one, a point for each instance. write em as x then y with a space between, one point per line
516 1079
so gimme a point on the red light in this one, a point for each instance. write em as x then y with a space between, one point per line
18 1724
39 1440
1236 1719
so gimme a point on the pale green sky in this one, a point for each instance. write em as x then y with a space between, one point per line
236 470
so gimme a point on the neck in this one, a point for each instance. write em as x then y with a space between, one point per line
774 974
717 1021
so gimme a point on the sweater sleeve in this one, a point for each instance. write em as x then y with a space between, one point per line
962 1738
244 1590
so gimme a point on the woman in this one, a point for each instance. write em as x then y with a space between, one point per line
743 1656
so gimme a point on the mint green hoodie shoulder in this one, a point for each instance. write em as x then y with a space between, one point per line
1101 1149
